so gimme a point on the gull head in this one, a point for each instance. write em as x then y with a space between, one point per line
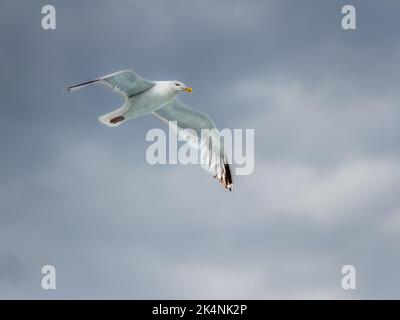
179 86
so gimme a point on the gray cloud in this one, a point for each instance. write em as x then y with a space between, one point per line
322 101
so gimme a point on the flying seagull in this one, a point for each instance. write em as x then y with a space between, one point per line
159 98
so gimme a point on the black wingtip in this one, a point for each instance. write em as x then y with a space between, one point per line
228 177
72 88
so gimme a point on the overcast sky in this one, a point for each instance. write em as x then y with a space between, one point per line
324 104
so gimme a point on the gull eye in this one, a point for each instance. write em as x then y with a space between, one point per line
177 84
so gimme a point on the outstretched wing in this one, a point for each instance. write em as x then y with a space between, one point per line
200 132
125 82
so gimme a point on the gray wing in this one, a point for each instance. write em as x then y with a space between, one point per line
200 132
125 82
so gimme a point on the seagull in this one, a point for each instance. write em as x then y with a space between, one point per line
142 96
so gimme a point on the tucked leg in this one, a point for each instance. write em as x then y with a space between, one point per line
117 119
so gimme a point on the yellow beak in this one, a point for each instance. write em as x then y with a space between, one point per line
188 89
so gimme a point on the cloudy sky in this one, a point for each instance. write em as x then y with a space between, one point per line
324 104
